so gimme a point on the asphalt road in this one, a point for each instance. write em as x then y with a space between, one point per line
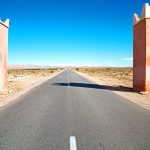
70 112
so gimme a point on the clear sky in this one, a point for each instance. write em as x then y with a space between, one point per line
70 32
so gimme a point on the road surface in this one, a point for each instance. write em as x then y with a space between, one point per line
68 112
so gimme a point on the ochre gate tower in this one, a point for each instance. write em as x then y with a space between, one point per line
3 53
141 50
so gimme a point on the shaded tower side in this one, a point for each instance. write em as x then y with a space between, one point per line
139 56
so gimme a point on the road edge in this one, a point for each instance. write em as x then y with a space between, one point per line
129 98
16 97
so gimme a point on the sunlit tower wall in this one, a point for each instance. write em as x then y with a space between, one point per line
141 50
4 26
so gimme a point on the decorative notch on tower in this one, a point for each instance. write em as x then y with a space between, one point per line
5 23
145 14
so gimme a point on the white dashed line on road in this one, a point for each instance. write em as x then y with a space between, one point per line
68 84
73 145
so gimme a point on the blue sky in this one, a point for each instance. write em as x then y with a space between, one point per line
70 32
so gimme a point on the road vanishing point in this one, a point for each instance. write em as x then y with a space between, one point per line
69 112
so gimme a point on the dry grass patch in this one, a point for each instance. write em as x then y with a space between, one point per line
112 76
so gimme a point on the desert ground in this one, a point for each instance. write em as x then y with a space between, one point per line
22 80
118 80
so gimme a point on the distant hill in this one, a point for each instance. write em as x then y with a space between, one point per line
59 66
27 67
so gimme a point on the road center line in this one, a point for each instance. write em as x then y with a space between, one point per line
68 84
73 145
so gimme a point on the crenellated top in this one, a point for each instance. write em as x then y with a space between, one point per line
145 14
5 23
